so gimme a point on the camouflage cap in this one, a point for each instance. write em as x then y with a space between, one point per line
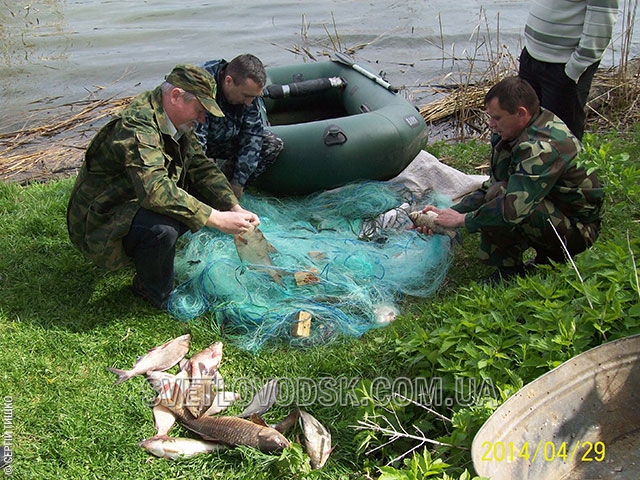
199 82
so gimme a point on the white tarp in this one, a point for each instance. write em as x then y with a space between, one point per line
427 173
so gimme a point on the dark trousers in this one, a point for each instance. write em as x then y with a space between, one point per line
557 92
151 242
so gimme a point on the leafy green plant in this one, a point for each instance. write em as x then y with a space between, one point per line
422 466
620 173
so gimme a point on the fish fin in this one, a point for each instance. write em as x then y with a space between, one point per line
184 364
287 422
257 419
122 374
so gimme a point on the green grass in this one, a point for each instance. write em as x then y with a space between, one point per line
64 321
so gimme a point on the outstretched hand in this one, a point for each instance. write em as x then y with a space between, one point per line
447 218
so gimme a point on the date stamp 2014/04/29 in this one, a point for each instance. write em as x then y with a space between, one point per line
549 451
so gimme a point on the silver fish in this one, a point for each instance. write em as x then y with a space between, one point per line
263 400
174 448
317 440
168 385
205 363
158 358
203 371
253 249
427 219
221 401
202 396
163 419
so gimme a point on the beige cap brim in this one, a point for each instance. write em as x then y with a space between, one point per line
211 106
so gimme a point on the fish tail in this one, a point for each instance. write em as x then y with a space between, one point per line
122 374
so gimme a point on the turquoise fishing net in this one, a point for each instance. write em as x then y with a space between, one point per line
353 242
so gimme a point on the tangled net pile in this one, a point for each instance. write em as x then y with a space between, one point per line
354 244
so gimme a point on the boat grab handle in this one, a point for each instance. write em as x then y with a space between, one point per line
334 135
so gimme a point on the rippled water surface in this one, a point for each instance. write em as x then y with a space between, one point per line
56 52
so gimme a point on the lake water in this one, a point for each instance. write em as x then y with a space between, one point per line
57 52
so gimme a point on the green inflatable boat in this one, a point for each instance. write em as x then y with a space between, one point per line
339 124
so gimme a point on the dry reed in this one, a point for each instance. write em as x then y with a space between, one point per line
55 148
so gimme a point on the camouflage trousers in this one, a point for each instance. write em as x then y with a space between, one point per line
227 153
504 247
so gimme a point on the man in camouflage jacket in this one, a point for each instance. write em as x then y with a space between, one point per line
534 187
239 140
145 181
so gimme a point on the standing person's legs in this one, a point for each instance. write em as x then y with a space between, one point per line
151 243
556 91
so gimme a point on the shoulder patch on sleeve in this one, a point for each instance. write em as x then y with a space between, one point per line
148 138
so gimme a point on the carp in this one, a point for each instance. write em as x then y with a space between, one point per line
228 430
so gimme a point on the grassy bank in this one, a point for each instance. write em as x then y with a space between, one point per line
63 321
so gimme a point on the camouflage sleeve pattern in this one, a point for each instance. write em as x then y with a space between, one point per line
540 164
134 162
472 201
206 182
155 187
249 144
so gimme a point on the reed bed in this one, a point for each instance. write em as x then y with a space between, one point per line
55 148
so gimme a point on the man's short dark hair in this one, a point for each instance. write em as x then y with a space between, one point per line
246 66
514 92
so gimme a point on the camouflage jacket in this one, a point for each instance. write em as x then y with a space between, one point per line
133 162
242 126
539 164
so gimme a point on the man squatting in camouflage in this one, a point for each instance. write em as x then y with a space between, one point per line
145 181
534 179
239 140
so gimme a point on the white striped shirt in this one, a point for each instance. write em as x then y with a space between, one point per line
574 32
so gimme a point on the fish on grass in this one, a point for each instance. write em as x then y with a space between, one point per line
205 363
231 431
253 249
205 380
158 358
317 440
262 401
163 446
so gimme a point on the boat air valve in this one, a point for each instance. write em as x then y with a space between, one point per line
334 135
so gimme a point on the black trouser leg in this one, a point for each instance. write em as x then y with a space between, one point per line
557 92
151 242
